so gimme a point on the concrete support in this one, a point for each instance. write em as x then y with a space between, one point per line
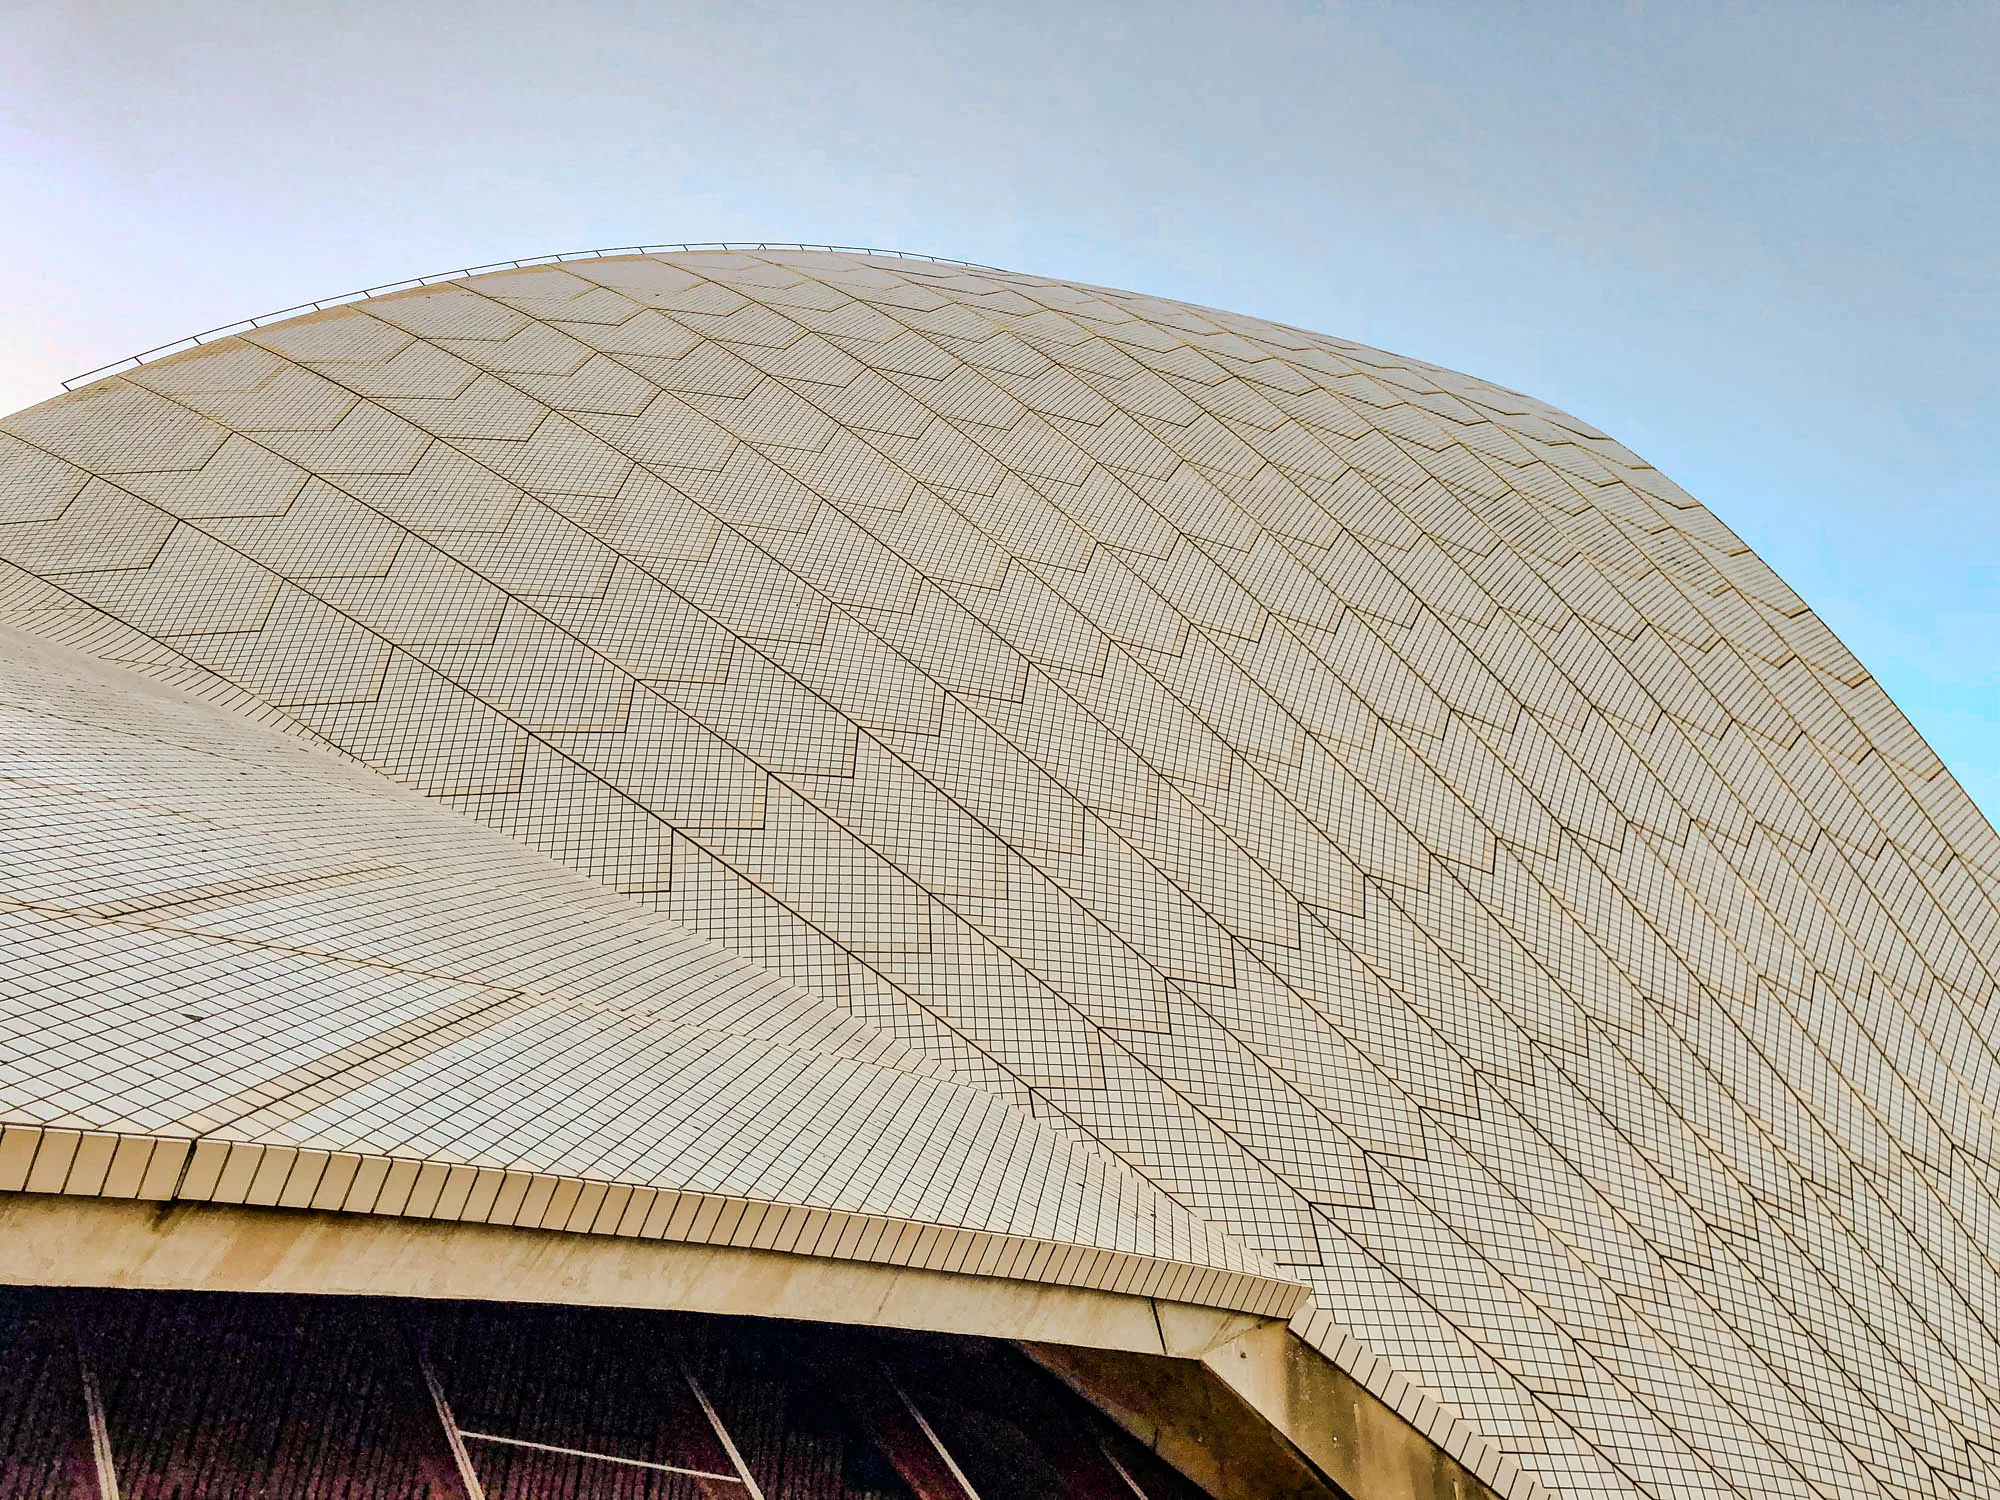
1247 1410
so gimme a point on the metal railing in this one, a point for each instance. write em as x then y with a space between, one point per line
195 340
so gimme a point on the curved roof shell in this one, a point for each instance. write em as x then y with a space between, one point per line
240 971
1378 810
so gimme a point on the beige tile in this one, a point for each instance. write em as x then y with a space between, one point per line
968 770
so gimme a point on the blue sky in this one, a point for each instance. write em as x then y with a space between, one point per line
1759 244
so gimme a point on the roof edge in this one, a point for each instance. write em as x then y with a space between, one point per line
51 1161
244 325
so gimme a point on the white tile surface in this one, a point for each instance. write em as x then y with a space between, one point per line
1381 812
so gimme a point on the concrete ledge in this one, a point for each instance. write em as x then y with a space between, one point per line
255 1174
56 1240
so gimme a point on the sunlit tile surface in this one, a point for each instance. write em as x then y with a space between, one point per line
233 969
1379 811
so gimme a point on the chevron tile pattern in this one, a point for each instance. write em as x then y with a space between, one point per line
234 970
1377 809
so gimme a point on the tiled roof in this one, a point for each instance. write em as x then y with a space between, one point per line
236 970
1376 808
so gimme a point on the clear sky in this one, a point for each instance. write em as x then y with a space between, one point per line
1759 244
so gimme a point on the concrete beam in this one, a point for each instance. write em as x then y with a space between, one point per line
1235 1391
54 1240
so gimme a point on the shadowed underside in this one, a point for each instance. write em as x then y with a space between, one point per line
1335 822
324 1397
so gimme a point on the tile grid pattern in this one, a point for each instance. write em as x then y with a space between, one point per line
235 971
244 325
1376 807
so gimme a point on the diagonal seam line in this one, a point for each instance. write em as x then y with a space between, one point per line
606 1458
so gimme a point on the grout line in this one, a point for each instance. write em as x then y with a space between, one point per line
243 325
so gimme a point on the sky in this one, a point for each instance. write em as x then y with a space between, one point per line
1759 244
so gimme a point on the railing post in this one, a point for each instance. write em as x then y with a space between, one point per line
722 1436
928 1431
467 1475
93 1414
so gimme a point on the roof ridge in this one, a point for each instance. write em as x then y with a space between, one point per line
321 304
